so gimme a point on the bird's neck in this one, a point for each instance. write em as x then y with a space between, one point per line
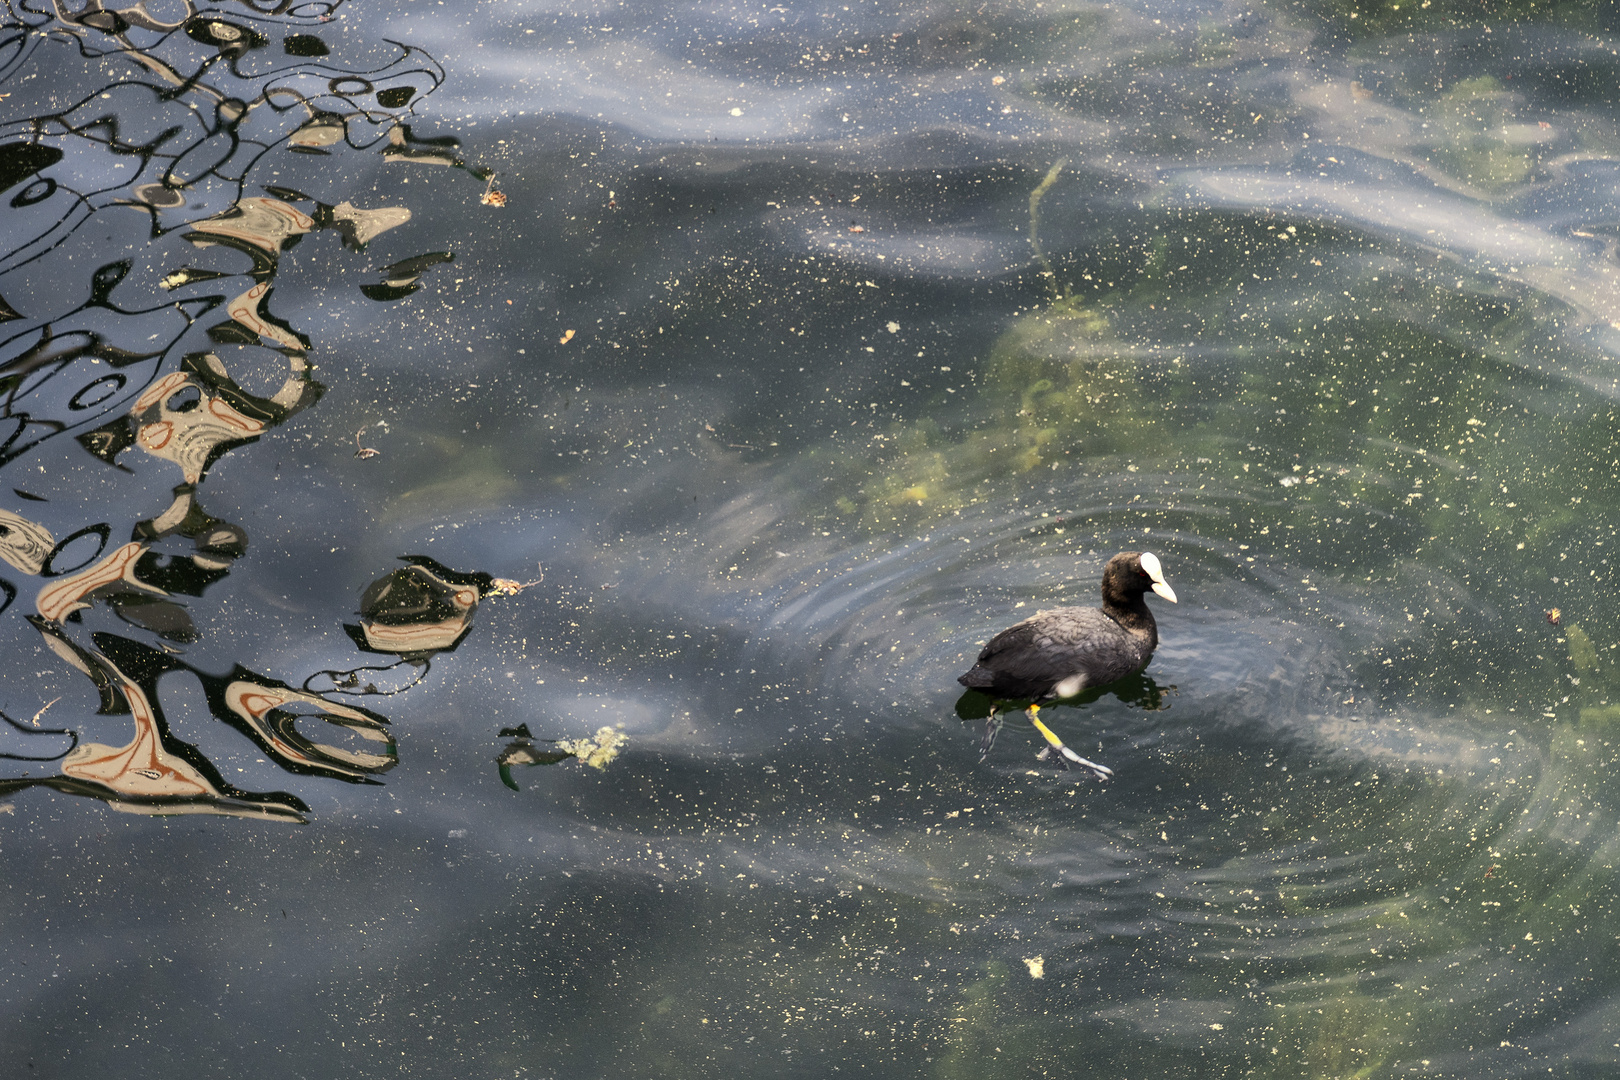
1134 617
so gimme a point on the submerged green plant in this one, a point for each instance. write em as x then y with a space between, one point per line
1475 117
1056 384
1375 18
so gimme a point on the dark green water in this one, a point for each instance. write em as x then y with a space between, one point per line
809 347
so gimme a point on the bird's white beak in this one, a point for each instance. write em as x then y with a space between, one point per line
1150 563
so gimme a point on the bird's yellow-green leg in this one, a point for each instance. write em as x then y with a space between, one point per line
1064 754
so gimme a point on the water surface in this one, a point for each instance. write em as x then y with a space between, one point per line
497 499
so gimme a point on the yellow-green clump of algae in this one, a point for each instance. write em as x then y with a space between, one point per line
1057 384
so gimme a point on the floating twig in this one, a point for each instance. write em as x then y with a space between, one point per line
42 712
509 587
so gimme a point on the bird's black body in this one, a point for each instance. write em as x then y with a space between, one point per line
1030 660
1057 654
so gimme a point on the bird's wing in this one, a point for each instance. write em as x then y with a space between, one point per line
1051 646
1077 626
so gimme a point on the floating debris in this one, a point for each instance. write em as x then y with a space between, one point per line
492 196
186 275
364 452
509 587
1036 965
597 751
1554 615
42 712
568 335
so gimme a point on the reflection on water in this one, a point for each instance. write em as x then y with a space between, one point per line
182 139
414 613
522 751
157 773
595 750
802 346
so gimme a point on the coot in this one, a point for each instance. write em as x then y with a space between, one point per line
1058 653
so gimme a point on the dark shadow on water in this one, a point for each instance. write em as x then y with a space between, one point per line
1136 691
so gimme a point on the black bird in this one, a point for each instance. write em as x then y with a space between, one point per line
1056 654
